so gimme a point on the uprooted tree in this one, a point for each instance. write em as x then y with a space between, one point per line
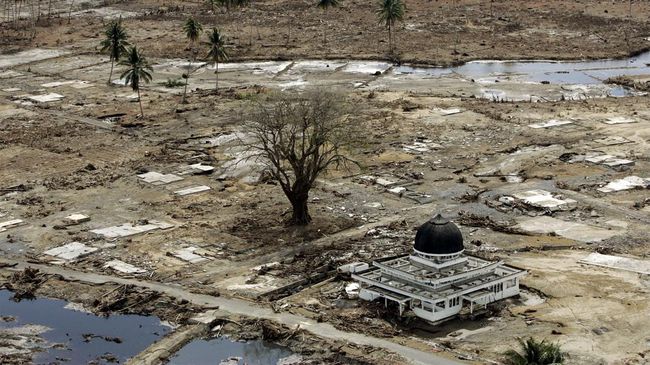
296 138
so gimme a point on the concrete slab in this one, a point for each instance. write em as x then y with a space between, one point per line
207 317
612 140
10 224
571 230
127 229
8 74
421 147
124 267
192 190
77 84
627 183
45 98
544 199
610 161
399 190
384 182
188 254
76 218
256 68
71 251
619 120
618 263
551 123
32 55
450 111
196 169
156 178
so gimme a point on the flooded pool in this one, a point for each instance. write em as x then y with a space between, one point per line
226 351
62 334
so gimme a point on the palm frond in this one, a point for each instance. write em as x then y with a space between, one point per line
533 352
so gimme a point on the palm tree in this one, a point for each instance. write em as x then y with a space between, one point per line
389 12
326 4
192 30
139 71
535 352
217 52
115 43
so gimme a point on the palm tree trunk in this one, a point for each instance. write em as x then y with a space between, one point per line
140 101
110 76
187 77
70 11
390 39
216 73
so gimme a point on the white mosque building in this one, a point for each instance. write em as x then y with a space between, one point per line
438 279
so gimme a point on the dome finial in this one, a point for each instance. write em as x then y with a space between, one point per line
438 219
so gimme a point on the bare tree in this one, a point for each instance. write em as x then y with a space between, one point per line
297 138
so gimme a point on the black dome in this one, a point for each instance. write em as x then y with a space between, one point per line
438 236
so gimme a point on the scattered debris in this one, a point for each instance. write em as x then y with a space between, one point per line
422 146
352 267
25 283
473 220
617 262
352 290
128 229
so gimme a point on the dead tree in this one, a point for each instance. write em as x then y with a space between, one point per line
296 138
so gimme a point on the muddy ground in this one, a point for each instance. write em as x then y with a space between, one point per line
82 154
438 32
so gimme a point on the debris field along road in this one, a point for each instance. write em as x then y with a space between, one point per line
244 308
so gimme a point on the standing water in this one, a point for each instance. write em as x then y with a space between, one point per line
554 72
225 351
64 335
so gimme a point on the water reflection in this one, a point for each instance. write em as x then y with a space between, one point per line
214 351
121 336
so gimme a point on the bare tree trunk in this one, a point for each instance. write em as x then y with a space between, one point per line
300 215
49 9
140 102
